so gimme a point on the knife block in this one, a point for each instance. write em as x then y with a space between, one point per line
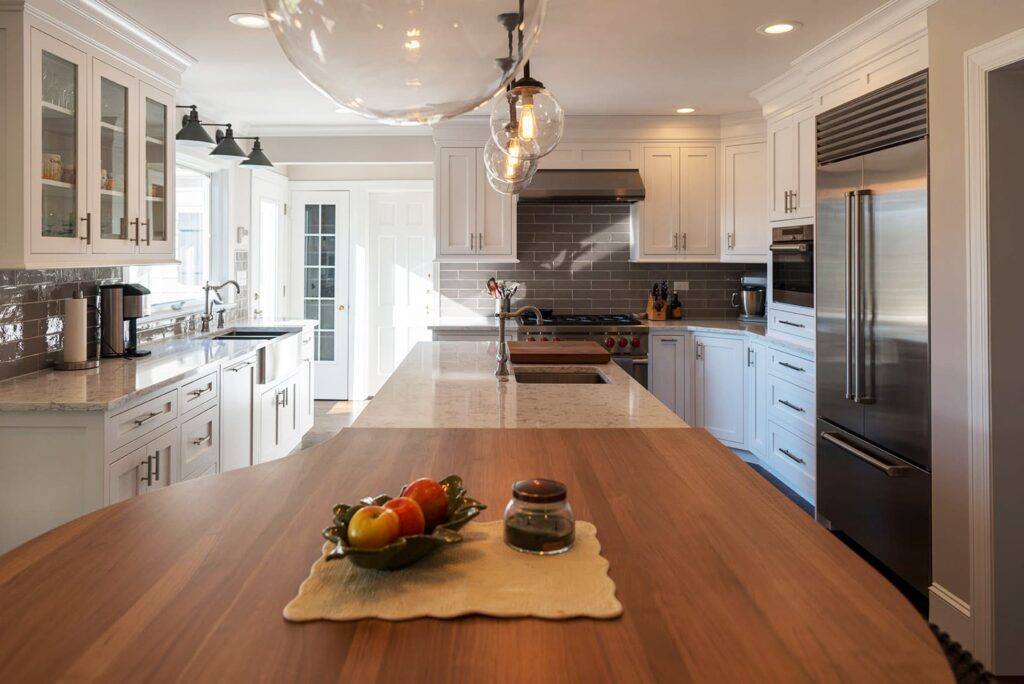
652 313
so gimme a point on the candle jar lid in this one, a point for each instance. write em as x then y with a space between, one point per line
539 491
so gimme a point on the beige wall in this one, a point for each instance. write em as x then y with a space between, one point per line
360 172
388 149
954 26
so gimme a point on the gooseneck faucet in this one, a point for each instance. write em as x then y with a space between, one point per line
502 358
207 311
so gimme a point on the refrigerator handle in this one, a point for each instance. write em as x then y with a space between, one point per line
849 294
858 300
890 469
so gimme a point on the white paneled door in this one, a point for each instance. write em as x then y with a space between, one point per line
401 288
320 224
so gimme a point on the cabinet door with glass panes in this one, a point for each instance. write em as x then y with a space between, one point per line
59 216
113 161
156 183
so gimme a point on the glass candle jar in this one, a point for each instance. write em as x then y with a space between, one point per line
538 519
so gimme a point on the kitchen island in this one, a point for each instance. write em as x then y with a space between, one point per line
452 384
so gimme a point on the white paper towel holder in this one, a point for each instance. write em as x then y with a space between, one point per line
77 365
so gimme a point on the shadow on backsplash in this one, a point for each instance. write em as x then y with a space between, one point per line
575 259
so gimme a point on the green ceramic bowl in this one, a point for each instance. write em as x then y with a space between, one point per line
406 550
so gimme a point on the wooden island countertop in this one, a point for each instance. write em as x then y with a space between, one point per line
722 579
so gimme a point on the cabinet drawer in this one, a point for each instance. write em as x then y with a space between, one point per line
792 406
198 392
200 444
791 367
793 459
129 425
796 324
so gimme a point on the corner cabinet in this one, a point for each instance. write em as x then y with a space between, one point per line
474 222
792 164
745 234
678 219
89 152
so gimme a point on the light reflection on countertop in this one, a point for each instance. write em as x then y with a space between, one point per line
118 381
452 385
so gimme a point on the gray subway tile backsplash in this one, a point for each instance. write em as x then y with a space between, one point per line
575 259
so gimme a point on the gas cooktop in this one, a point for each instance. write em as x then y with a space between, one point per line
529 318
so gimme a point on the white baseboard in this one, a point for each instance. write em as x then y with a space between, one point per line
952 614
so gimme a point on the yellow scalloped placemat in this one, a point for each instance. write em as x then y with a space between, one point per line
478 576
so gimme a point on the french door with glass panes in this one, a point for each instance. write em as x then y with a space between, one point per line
320 220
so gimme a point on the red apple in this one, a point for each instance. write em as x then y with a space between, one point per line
372 527
410 516
432 499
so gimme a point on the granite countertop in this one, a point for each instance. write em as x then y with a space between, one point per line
117 382
452 385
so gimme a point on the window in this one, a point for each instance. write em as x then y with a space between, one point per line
179 286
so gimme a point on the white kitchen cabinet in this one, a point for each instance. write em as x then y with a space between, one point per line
718 387
200 444
474 222
668 372
304 397
745 232
279 419
238 399
593 155
756 397
678 220
792 164
142 469
88 175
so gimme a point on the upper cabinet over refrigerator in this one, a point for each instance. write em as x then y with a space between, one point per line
87 142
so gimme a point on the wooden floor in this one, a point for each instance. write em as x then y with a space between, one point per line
329 417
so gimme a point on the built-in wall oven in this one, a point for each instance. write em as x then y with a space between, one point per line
793 265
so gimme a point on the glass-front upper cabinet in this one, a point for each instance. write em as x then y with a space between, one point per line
113 159
157 111
59 220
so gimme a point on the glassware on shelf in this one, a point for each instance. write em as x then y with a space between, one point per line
58 147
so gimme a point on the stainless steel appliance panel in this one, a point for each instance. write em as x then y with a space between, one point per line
635 367
893 362
834 226
878 500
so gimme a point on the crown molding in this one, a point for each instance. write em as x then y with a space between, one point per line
342 130
110 18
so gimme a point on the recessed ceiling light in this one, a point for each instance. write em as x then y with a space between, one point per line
779 27
253 21
685 110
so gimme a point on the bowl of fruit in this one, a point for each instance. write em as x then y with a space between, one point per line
388 533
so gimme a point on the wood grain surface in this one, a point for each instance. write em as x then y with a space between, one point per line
584 351
722 579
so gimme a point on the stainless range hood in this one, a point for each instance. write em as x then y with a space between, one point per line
583 186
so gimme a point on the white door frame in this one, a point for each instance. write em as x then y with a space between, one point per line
268 183
977 65
358 292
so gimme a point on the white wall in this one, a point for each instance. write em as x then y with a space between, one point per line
954 26
360 172
388 149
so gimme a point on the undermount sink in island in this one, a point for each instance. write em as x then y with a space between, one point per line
452 385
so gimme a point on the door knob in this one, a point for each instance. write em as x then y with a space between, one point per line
341 307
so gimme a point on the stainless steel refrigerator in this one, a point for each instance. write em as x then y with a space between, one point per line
873 386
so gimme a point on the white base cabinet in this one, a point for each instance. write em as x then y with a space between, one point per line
718 387
756 397
668 371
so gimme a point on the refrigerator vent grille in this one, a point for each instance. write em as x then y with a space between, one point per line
893 115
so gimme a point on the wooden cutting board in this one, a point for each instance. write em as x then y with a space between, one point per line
558 352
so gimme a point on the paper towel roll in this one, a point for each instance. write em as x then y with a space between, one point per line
75 323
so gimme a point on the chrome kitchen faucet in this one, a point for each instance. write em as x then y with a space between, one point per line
502 358
207 312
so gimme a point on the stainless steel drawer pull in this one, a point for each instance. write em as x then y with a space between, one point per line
199 441
795 458
148 479
156 471
235 369
792 406
790 366
669 339
791 323
151 416
200 392
888 468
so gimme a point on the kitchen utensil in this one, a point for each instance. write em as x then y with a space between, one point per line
409 549
492 287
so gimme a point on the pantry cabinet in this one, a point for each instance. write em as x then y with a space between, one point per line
678 219
792 164
88 149
745 231
718 387
474 222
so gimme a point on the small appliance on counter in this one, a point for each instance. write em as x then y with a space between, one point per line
120 303
751 298
136 306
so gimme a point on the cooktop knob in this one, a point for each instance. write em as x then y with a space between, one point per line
623 341
609 342
635 342
531 338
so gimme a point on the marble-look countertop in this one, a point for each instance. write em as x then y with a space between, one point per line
452 385
117 382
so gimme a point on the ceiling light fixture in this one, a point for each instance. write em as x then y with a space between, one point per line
249 21
685 110
776 28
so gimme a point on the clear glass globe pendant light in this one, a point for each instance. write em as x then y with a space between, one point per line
406 61
528 121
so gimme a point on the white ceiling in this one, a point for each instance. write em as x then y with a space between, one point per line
597 56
